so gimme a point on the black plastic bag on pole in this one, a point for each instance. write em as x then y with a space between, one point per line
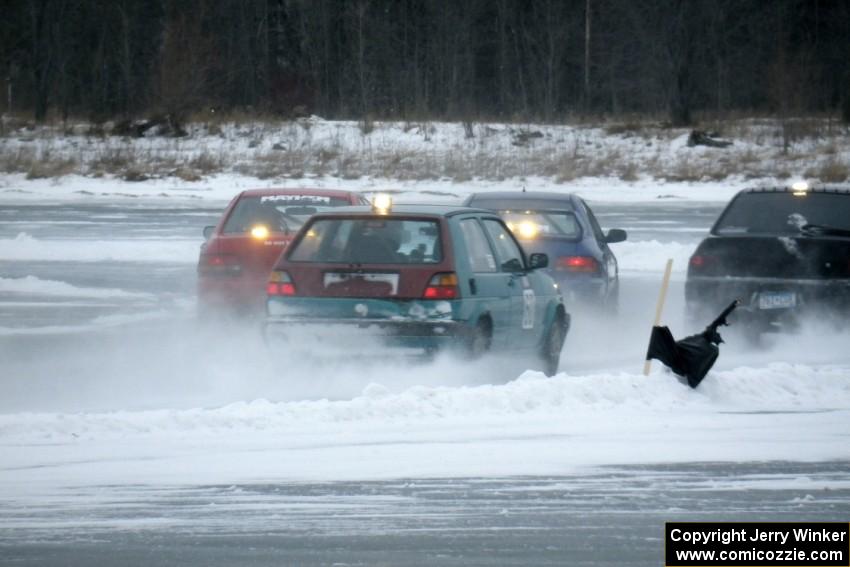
693 356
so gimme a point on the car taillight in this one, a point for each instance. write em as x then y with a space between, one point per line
700 261
584 264
219 264
280 284
442 286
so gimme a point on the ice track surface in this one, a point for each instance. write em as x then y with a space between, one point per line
126 426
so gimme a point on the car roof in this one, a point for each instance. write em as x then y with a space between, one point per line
525 195
297 191
840 189
402 209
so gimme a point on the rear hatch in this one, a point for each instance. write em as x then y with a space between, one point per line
552 247
567 257
781 234
387 260
258 228
556 233
251 254
781 257
364 281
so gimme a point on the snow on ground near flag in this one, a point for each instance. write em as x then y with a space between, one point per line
531 425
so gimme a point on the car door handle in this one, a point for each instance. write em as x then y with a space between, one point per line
473 288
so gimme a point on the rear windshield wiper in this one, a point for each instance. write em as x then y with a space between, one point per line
823 230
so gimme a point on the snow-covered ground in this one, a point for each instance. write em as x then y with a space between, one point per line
222 187
790 402
529 426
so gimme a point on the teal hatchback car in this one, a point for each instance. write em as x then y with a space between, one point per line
425 277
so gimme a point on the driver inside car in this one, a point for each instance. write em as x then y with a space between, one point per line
377 244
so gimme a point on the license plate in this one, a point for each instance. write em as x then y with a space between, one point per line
777 300
347 279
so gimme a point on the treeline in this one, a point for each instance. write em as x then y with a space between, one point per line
451 59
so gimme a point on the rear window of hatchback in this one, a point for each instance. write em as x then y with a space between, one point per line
372 240
783 212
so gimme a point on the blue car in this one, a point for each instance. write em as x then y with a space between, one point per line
563 227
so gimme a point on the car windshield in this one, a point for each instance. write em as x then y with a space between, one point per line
373 240
785 212
278 213
529 224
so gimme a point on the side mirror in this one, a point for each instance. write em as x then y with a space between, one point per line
208 231
615 235
538 260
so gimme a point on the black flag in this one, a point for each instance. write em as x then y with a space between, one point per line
692 357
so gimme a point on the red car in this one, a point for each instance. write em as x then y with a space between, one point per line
242 248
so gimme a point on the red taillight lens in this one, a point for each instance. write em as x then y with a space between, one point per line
280 284
273 288
440 292
442 286
219 264
698 261
584 264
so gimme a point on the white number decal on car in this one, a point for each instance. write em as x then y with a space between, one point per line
528 301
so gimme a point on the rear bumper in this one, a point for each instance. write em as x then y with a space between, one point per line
707 295
348 333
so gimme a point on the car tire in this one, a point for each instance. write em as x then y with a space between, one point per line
480 340
552 345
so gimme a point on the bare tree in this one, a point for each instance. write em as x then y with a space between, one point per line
429 58
43 51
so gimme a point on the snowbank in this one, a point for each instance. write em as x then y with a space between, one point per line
531 426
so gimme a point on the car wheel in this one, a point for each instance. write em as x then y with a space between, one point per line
552 345
480 340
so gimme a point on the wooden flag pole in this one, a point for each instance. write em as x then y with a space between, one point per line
662 297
